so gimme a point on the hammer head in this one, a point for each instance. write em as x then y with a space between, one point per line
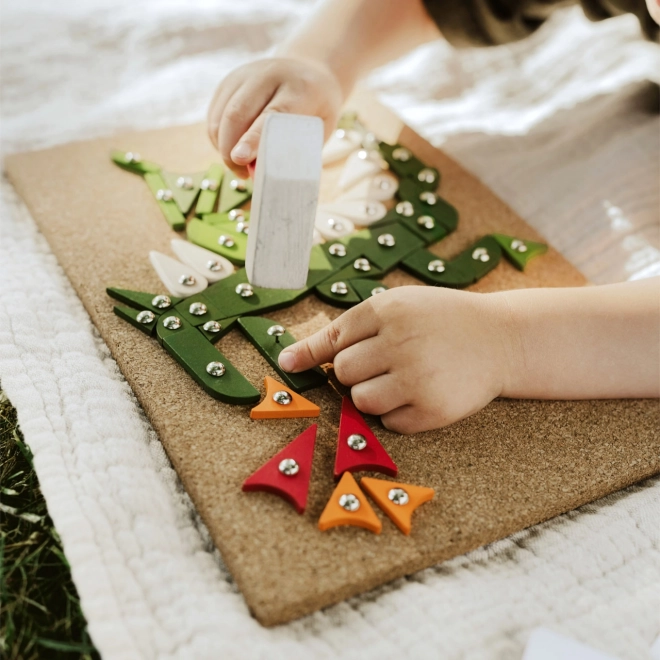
285 195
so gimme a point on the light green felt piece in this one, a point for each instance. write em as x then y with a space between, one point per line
518 251
325 293
365 288
194 353
183 308
225 326
163 332
255 329
137 167
208 236
348 120
169 208
141 299
184 198
411 168
231 197
131 315
208 196
223 218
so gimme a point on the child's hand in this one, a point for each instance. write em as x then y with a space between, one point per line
238 110
421 357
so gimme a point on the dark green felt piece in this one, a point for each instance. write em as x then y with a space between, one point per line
182 309
141 299
170 210
193 352
324 293
364 288
162 333
183 198
207 236
409 169
320 268
227 325
517 258
350 272
255 329
140 167
129 314
231 198
365 242
336 261
207 198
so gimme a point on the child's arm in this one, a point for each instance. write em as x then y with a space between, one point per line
313 72
425 357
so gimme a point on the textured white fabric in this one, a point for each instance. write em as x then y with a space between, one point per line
150 581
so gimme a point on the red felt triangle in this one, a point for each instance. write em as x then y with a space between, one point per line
293 488
372 458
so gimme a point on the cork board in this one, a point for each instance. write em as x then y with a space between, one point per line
512 465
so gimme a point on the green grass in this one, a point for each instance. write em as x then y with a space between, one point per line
41 615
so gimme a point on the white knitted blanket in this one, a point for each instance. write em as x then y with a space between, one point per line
151 583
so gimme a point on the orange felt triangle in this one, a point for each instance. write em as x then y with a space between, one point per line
270 409
400 515
335 515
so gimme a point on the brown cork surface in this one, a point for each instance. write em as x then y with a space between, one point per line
514 464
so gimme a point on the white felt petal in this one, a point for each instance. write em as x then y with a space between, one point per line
362 212
172 271
379 188
332 226
340 145
360 165
211 265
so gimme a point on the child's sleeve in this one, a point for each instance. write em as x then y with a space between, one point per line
495 22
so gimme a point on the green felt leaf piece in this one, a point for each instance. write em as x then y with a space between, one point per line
170 324
142 300
194 353
350 272
365 288
225 326
133 163
349 299
197 303
255 329
338 257
234 192
384 246
427 178
465 269
320 268
169 208
241 215
348 120
210 189
184 187
432 223
518 251
208 236
138 318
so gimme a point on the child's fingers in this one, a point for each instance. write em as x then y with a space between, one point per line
379 395
362 361
405 419
224 92
352 326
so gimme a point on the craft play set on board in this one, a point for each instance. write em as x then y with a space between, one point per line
309 501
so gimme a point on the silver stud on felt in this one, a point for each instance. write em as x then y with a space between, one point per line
340 133
376 290
363 154
371 209
236 214
405 208
337 225
238 185
481 254
402 154
208 184
184 182
244 290
276 331
428 198
145 317
337 250
282 397
164 195
214 265
288 467
426 221
161 302
518 245
172 322
215 369
212 326
362 264
356 441
426 175
187 280
349 502
386 240
132 157
243 227
227 241
197 309
398 496
436 266
339 288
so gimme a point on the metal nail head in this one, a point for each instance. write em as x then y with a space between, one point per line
398 496
215 369
288 467
349 502
356 441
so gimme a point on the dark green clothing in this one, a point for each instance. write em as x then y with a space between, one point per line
495 22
